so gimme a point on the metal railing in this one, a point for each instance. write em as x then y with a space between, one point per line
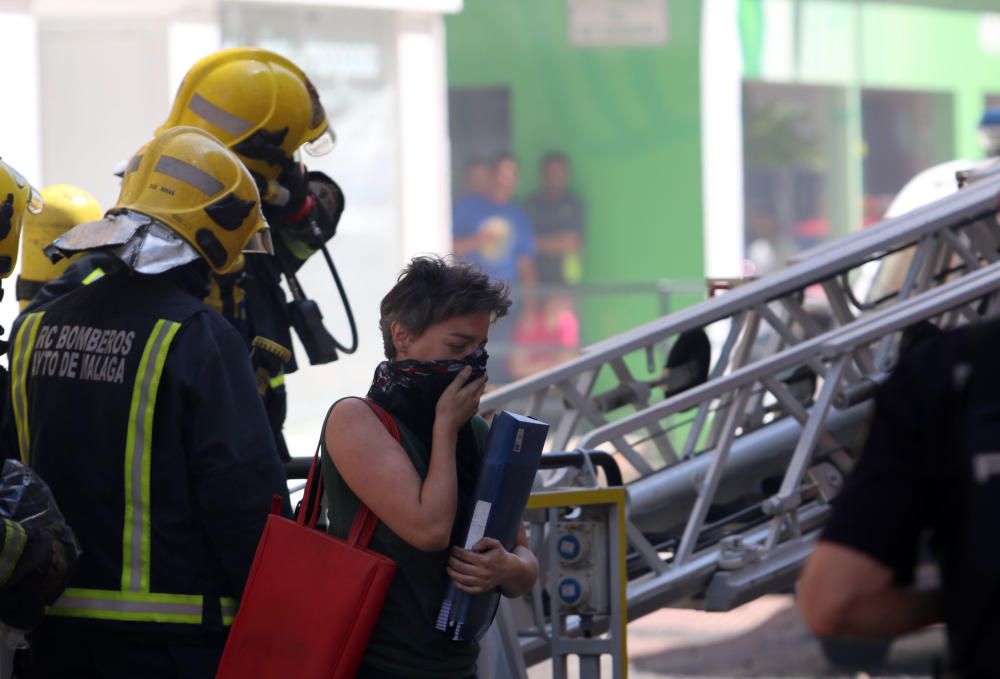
730 478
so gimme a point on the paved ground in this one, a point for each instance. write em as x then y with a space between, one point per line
765 638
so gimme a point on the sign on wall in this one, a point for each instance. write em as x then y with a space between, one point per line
617 23
989 33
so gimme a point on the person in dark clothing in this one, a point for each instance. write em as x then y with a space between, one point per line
929 468
265 109
434 325
549 334
91 267
37 549
559 217
138 405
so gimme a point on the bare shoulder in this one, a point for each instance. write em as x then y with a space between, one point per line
351 423
369 459
351 408
351 414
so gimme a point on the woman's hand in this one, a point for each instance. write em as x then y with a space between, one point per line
459 402
489 565
486 567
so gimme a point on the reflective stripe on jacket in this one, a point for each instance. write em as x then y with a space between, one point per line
138 405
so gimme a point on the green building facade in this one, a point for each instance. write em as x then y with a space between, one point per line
841 101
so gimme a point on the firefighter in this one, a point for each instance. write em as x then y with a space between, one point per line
926 489
37 550
138 405
65 207
17 199
264 108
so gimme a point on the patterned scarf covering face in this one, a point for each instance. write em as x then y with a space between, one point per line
410 390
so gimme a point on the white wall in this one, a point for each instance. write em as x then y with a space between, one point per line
20 127
425 160
103 94
722 139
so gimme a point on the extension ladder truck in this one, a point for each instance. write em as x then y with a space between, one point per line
732 451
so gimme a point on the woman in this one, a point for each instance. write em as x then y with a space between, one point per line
434 326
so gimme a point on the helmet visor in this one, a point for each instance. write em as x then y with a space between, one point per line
35 202
260 243
323 144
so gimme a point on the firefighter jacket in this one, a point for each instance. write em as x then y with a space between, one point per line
137 404
89 268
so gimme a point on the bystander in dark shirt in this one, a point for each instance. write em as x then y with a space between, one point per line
931 463
555 216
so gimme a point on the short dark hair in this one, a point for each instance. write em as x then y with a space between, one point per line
432 289
476 160
554 157
502 157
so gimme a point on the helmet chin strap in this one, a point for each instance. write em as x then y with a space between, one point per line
265 145
6 216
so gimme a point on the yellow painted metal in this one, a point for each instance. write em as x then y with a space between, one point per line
571 498
599 496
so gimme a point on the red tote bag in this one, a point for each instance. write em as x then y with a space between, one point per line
311 599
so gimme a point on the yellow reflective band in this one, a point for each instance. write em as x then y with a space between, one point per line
129 606
20 364
138 445
228 607
14 539
94 275
277 381
298 249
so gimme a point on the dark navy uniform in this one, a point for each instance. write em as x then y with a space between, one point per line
252 300
319 203
931 462
91 267
137 404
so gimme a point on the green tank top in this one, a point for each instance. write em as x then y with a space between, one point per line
404 641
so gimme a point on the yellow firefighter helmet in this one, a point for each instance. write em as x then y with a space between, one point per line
258 103
17 197
188 182
65 207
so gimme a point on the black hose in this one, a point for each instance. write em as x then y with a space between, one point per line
577 458
347 305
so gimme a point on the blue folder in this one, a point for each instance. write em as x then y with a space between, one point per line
513 451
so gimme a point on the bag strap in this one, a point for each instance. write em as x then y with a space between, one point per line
307 513
365 521
308 510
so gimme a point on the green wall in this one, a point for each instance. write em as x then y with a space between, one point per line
628 118
933 49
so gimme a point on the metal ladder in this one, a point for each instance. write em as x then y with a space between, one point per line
729 478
